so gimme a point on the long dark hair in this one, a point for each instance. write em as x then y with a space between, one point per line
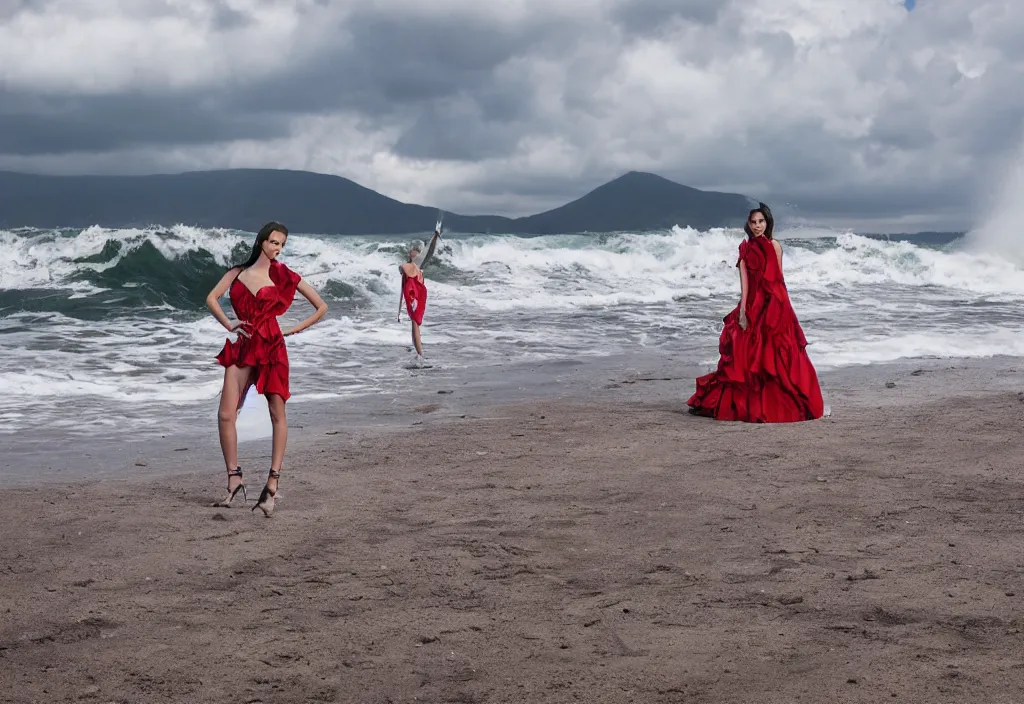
262 236
769 221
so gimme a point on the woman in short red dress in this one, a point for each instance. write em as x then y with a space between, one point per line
260 290
764 374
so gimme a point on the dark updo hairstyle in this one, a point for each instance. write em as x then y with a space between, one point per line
769 221
262 236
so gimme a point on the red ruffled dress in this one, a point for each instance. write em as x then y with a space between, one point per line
264 350
764 374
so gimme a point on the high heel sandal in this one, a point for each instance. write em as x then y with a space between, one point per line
226 503
267 497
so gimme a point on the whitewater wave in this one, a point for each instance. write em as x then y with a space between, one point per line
176 267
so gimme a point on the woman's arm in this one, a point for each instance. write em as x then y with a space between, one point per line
213 299
313 297
778 252
401 289
422 260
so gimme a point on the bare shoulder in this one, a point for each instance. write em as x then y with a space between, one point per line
777 245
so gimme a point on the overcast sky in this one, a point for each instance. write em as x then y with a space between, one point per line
843 112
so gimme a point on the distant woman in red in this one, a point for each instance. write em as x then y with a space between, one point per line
764 374
414 289
260 290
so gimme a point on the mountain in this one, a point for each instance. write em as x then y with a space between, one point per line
316 203
640 201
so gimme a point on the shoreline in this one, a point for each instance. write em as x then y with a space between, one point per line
608 549
439 396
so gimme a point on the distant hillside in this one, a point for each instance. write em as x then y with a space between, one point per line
640 201
316 203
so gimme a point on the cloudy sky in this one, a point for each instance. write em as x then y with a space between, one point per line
842 112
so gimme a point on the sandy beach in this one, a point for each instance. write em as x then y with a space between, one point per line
610 549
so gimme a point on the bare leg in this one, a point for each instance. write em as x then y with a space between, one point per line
279 421
236 383
268 497
416 339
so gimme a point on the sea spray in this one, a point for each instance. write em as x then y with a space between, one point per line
1000 232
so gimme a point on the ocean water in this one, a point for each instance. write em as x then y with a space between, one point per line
107 330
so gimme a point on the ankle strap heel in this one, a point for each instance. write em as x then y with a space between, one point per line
267 497
226 503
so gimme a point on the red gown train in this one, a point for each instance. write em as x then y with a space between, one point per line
764 374
264 350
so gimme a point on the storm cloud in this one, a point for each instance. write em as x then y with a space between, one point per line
843 112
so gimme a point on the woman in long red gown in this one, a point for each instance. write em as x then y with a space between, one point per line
260 289
764 374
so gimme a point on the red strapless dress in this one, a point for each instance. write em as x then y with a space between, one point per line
764 374
264 350
415 293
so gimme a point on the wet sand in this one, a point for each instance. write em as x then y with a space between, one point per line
614 549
